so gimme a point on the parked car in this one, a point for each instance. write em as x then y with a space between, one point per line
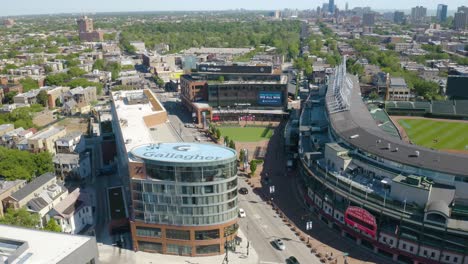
243 190
292 260
279 244
242 213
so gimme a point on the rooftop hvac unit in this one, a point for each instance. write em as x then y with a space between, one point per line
388 146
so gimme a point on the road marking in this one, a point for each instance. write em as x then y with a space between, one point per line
269 262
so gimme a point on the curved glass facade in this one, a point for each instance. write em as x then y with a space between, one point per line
188 194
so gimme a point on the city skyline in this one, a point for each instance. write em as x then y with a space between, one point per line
28 7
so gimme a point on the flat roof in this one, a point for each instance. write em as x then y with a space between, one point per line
43 246
370 138
135 132
46 133
183 152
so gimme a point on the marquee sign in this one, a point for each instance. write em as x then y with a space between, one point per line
361 219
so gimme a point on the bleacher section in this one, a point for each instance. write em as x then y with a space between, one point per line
455 108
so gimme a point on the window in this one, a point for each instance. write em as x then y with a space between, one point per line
148 231
208 249
207 234
455 259
177 234
425 253
404 246
209 189
447 258
384 239
411 248
179 249
150 246
432 254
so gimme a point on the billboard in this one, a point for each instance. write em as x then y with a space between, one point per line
270 98
361 219
234 68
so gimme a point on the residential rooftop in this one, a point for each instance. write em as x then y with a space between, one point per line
44 134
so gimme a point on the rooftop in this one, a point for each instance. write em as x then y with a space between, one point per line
35 246
46 133
32 186
135 131
6 185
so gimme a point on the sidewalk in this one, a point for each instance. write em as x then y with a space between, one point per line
110 254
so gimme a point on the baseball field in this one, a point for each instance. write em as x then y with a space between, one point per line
449 135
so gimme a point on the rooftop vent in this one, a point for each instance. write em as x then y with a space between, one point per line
389 146
416 153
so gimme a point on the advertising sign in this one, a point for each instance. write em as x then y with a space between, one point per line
270 98
361 219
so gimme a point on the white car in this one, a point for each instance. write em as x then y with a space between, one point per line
279 244
242 213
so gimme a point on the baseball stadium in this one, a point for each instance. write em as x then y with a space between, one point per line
396 185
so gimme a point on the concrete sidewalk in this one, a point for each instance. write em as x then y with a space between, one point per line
114 255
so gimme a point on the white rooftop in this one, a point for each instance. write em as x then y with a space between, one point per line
134 130
43 247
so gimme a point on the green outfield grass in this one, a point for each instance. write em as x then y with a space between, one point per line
436 134
246 134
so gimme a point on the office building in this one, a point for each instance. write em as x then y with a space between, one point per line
368 19
23 245
400 200
418 14
229 91
331 6
86 30
441 13
346 7
182 196
460 20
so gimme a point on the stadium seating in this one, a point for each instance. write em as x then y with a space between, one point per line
443 108
461 107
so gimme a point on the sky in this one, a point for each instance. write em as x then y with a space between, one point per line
25 7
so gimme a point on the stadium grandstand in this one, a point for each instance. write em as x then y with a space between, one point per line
402 201
449 108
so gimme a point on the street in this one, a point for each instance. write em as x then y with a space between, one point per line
262 225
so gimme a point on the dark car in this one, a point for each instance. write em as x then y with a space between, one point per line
266 180
292 260
243 190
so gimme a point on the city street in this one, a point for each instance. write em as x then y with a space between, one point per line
262 225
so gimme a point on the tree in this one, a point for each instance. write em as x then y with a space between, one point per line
42 98
226 140
98 65
20 217
56 79
29 84
58 103
21 165
253 167
75 72
218 133
52 226
9 97
373 95
241 155
232 144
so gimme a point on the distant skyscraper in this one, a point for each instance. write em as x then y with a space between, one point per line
368 19
85 24
460 20
86 30
347 6
418 13
398 17
441 13
463 9
331 6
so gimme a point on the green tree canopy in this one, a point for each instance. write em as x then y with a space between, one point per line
20 217
42 98
29 84
16 164
52 226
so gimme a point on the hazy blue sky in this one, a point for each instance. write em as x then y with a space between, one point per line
19 7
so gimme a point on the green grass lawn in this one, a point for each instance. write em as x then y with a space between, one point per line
436 134
246 134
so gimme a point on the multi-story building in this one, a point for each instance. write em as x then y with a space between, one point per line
6 189
460 20
37 246
72 166
331 6
182 197
86 30
402 201
441 13
8 22
418 14
368 19
68 143
74 214
226 92
45 139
